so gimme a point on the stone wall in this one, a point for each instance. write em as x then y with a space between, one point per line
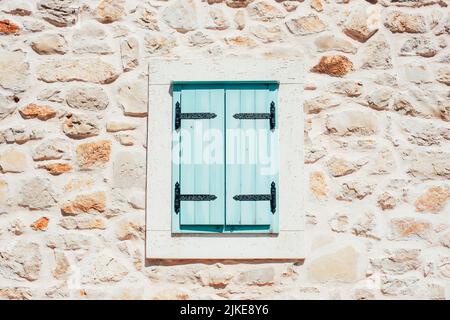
73 108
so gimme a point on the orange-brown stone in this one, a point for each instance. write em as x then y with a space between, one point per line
433 200
7 27
335 66
40 224
93 202
57 168
93 154
32 111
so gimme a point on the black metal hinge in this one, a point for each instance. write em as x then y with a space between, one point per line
192 115
258 116
189 197
272 197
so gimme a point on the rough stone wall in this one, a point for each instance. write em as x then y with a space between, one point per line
73 107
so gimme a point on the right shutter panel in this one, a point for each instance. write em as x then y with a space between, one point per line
250 151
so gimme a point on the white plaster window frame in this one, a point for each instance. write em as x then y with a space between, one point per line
161 243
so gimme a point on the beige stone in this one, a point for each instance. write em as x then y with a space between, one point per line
319 104
264 11
86 70
386 201
376 54
110 10
429 165
258 277
60 13
238 3
399 261
125 139
241 41
443 75
158 45
13 160
339 167
358 26
87 203
340 265
216 277
69 241
217 19
417 73
348 88
420 46
133 98
200 39
339 222
14 70
7 107
181 15
351 123
266 34
16 293
148 19
103 268
318 184
80 126
23 261
291 6
52 149
399 286
3 193
333 43
116 126
398 21
87 98
379 99
306 25
239 19
50 43
129 170
130 229
37 194
129 50
354 190
317 5
62 265
82 223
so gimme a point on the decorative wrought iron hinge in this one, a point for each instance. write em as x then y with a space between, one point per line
189 197
272 197
258 116
192 115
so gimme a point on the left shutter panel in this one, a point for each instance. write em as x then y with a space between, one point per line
199 175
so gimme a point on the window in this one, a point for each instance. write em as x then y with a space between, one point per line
225 157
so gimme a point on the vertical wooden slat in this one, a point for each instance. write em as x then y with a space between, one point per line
262 182
233 208
247 167
188 170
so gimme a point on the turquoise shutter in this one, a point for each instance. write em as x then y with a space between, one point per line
198 179
251 157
